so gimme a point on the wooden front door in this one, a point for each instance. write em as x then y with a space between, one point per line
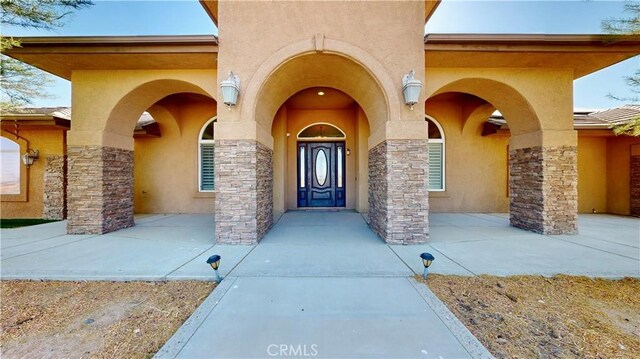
321 174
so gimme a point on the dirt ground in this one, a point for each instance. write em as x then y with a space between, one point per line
93 319
537 317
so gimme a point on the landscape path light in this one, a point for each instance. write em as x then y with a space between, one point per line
427 258
214 262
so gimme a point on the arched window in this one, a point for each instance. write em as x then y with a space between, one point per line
436 155
321 131
10 167
206 158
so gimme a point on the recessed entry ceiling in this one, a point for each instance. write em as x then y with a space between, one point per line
309 99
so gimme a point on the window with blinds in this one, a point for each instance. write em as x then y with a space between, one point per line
435 166
206 167
206 160
436 155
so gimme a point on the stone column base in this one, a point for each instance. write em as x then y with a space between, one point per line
399 191
244 191
55 171
634 185
99 189
543 184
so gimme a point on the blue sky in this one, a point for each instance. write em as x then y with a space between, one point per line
160 17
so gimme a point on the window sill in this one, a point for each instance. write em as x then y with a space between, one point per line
205 195
439 194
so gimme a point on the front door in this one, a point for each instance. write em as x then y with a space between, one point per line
321 174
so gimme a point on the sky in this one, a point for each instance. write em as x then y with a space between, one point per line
187 17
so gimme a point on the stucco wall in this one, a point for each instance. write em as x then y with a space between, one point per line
618 175
166 168
339 53
592 174
47 142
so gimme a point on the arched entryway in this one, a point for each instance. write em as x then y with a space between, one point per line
399 162
521 170
101 186
319 134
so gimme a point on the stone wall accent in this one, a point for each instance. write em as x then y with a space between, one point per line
244 191
635 185
398 191
543 185
378 189
264 176
55 201
99 189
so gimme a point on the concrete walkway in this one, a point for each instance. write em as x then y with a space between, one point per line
320 282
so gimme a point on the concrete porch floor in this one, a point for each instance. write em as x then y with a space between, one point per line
333 244
321 281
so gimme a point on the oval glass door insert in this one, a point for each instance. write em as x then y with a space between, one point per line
321 167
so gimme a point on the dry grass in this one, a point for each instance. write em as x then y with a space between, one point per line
93 319
537 317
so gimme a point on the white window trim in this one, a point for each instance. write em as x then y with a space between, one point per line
444 152
200 142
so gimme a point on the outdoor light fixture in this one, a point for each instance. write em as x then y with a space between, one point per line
230 89
427 258
411 89
320 93
29 157
214 262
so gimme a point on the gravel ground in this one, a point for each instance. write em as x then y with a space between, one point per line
538 317
93 319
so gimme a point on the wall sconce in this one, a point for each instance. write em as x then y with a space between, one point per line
29 157
230 90
411 89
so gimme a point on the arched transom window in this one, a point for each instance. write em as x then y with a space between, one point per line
436 155
321 131
206 158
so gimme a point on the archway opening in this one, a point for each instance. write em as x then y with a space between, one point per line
468 168
174 169
306 89
320 151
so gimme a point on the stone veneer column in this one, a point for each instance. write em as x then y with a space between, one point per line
99 189
244 191
543 184
635 185
398 191
55 168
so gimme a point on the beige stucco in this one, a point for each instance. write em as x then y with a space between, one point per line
537 103
315 52
123 95
592 174
47 142
618 158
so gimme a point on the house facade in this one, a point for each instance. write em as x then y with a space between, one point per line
321 121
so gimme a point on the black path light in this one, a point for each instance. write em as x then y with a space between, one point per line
214 262
427 258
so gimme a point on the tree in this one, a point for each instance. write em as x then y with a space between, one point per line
20 83
627 26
